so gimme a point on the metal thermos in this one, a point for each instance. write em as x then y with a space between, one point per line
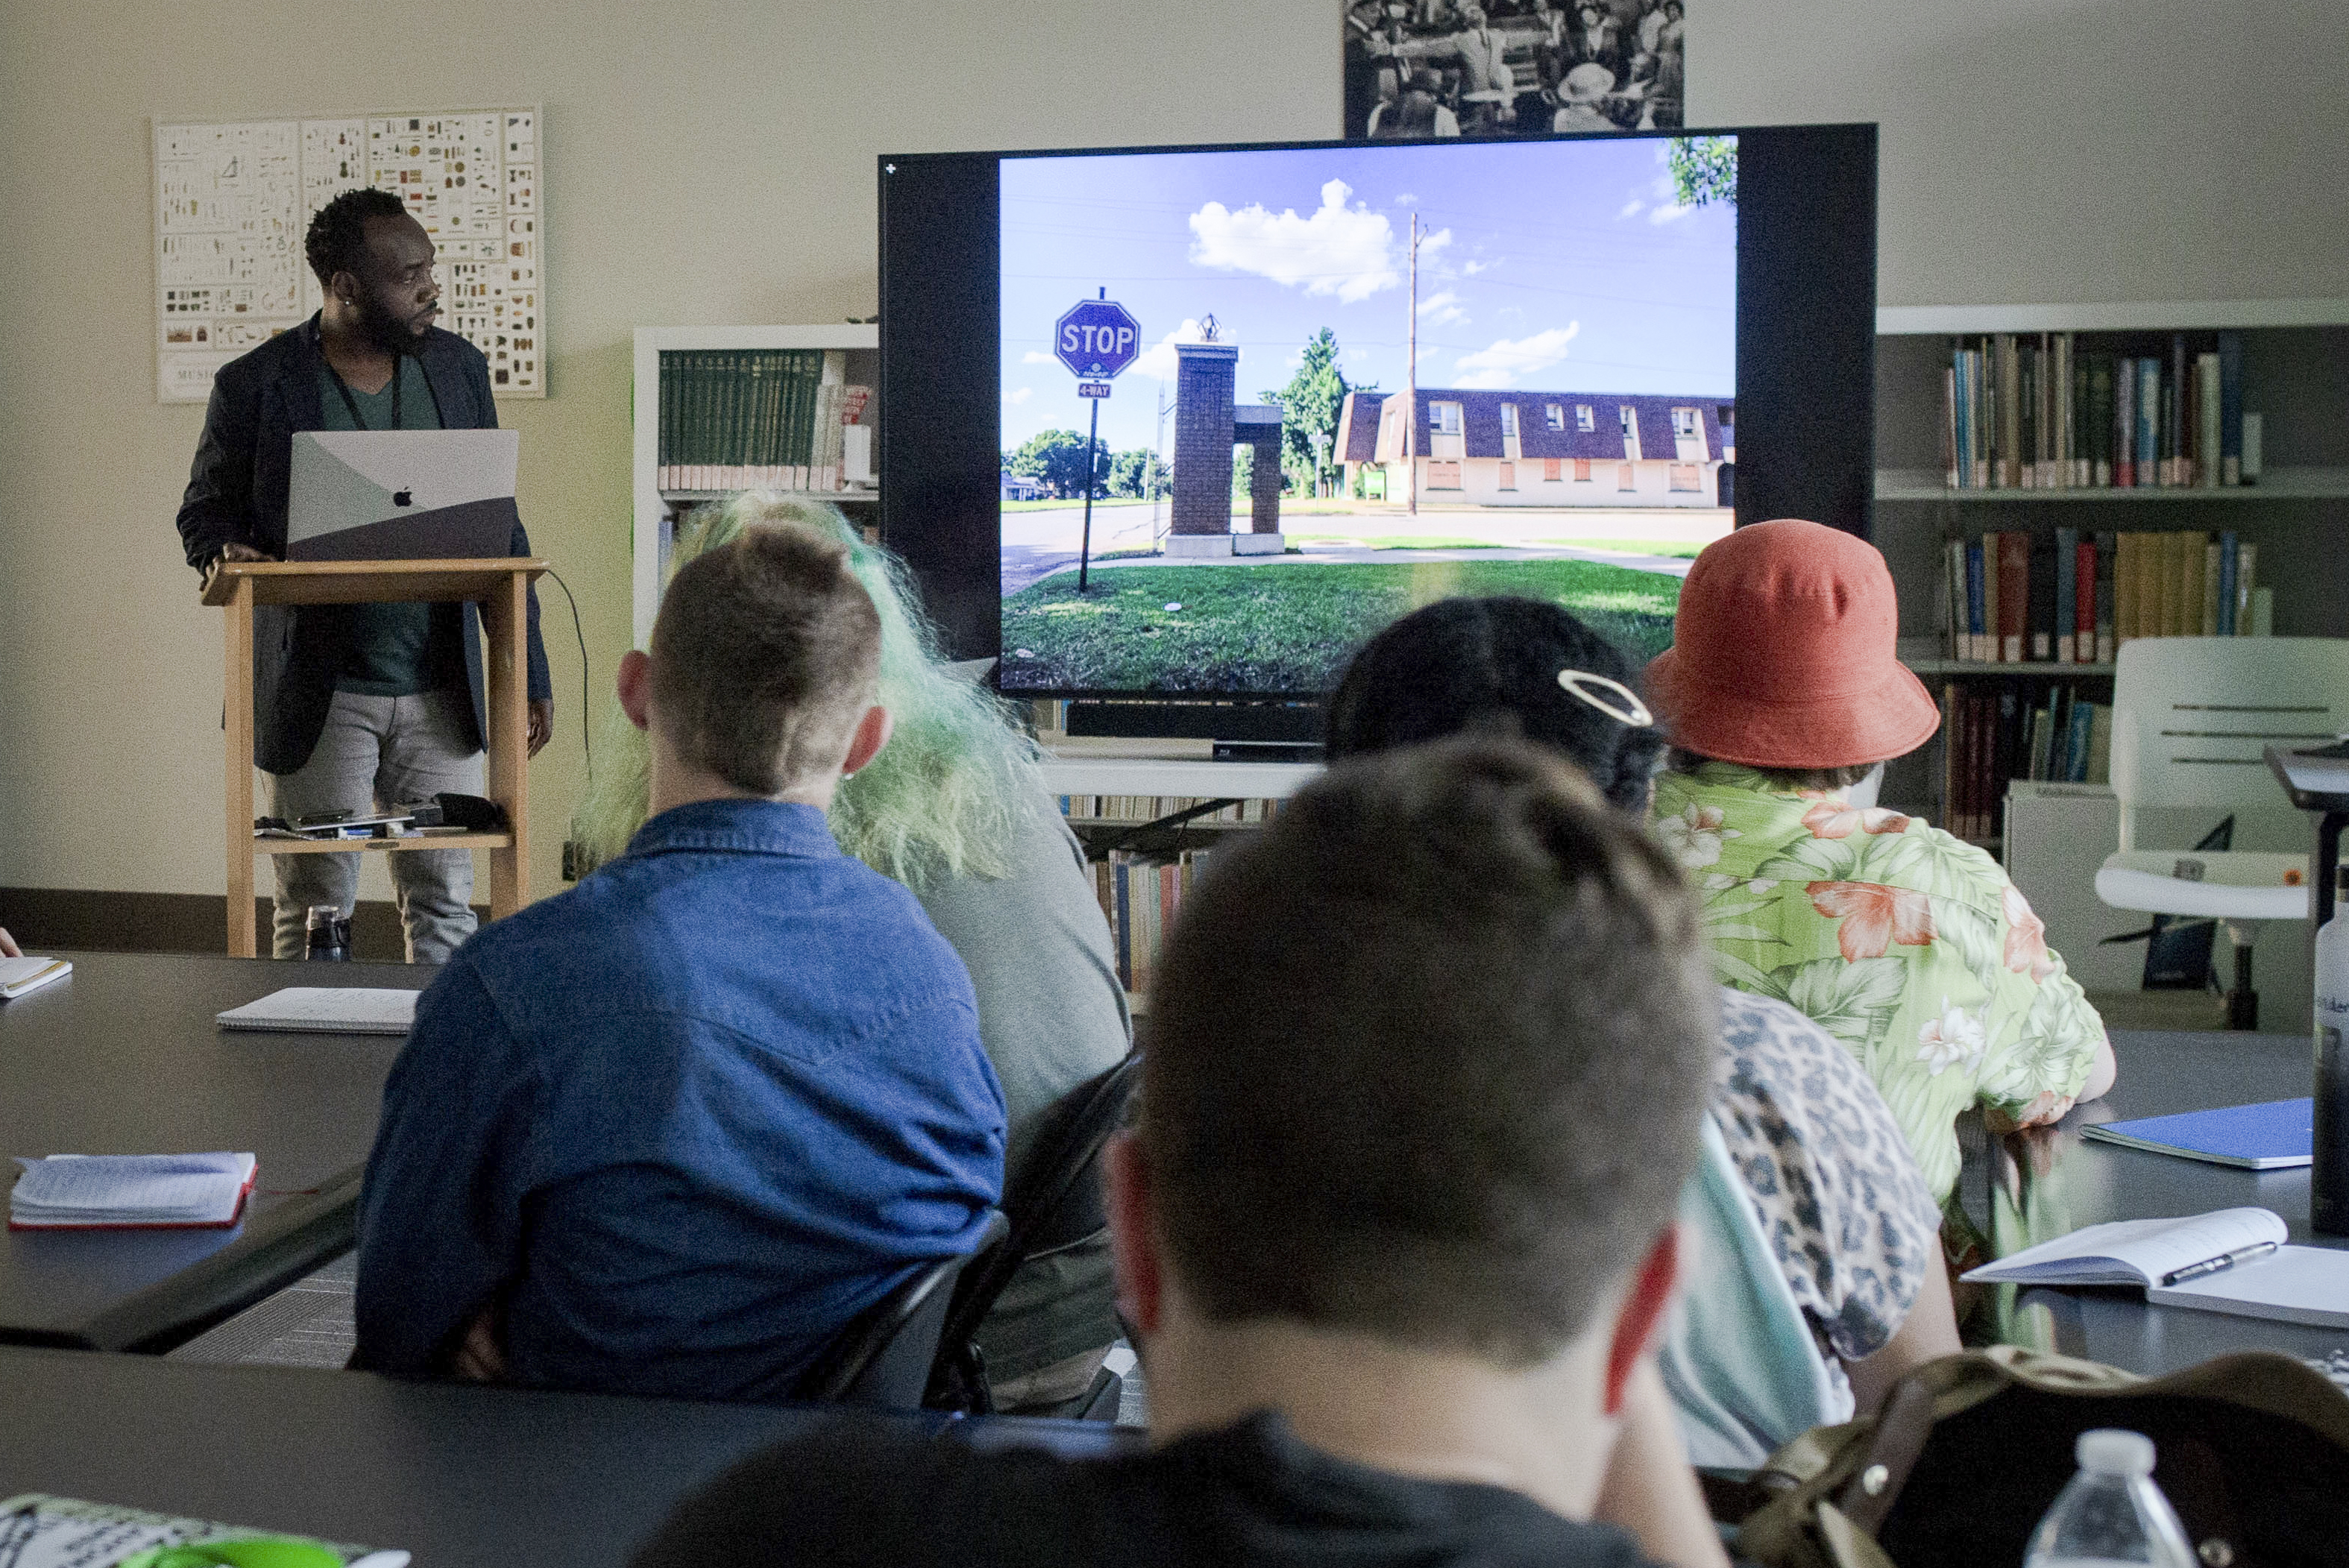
330 933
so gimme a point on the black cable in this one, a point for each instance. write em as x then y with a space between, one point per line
587 741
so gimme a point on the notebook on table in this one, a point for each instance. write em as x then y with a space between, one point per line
326 1010
41 1531
19 976
2273 1135
2231 1260
129 1191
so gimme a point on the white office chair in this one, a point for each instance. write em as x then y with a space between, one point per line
2190 716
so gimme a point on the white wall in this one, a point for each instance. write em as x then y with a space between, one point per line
711 162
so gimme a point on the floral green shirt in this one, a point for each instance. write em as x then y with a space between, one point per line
1906 944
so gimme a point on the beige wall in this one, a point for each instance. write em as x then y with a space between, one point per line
713 163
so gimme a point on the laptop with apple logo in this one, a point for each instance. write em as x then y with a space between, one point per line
401 495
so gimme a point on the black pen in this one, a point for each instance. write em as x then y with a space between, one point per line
2217 1265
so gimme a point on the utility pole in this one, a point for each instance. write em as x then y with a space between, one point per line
1411 391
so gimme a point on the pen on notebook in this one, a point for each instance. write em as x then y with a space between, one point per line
2218 1264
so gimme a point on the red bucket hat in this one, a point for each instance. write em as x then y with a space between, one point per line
1783 654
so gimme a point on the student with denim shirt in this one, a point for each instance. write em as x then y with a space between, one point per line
667 1132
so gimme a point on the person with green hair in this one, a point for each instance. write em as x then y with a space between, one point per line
954 808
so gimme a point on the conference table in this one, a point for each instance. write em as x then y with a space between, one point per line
454 1473
122 1057
2035 1186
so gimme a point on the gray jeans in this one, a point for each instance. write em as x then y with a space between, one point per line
382 752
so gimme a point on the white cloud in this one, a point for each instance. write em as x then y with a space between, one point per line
1037 356
1666 214
1341 250
1632 208
1406 199
1430 243
1505 359
1157 362
1471 268
1020 397
1441 309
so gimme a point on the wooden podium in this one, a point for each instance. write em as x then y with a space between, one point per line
501 589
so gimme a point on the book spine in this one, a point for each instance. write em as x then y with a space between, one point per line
2176 411
2010 404
2100 421
2148 415
2254 446
2039 593
2230 408
2013 595
2229 562
2067 591
2205 601
2152 598
2207 465
1949 426
1978 406
2125 612
2027 451
2247 587
1953 597
1993 622
2106 618
1977 606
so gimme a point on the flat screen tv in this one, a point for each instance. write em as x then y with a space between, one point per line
1320 384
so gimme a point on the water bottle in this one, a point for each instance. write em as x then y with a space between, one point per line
2111 1513
330 933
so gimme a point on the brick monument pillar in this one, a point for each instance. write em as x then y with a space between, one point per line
1201 522
1258 424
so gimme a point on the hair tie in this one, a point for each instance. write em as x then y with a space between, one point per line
1631 712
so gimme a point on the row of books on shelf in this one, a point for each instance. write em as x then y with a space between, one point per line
2020 413
1150 807
1139 896
2074 597
770 419
1990 738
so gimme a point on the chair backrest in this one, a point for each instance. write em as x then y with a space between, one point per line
2191 715
882 1357
1053 1201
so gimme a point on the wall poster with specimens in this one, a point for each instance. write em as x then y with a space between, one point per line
233 200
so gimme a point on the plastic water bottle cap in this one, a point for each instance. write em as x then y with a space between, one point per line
2111 1452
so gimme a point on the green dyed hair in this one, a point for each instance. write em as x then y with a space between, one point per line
943 799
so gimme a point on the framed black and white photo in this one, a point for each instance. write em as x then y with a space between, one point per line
1418 69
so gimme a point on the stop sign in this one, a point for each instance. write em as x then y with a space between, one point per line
1097 338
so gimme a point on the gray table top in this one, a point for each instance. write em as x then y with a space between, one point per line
2033 1187
454 1473
122 1057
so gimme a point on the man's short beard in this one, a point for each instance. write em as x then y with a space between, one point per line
383 329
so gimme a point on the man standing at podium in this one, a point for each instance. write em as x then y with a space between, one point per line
355 705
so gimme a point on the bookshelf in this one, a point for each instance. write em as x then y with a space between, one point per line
2295 372
655 509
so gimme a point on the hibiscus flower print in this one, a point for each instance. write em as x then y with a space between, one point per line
1694 834
1831 819
1949 1039
1873 916
2027 938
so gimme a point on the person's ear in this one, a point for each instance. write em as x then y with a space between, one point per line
634 686
872 734
1133 1236
1641 1315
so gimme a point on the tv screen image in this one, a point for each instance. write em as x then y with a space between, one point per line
1268 491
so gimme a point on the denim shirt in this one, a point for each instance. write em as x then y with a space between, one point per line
682 1122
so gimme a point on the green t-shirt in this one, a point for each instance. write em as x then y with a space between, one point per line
1909 947
394 650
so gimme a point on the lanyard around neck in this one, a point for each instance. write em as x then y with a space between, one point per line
359 421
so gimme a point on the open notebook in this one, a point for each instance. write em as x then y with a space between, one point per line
39 1531
19 976
129 1191
326 1010
2230 1260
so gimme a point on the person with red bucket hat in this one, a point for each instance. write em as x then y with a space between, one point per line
1784 698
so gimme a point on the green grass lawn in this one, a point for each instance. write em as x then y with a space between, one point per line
1281 627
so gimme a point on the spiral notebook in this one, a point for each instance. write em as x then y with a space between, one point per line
2273 1136
129 1191
326 1010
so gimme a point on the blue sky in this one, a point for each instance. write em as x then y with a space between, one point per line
1561 266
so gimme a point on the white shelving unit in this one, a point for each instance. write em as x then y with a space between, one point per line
2141 315
2276 484
651 505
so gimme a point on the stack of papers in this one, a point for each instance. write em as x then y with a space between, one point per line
19 976
326 1010
116 1192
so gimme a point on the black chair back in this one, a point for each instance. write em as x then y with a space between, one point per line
883 1356
1054 1201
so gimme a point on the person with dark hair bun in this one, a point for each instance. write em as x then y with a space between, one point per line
1805 1143
356 707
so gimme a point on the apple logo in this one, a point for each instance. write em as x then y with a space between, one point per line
402 498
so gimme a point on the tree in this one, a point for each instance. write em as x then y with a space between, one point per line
1056 458
1310 403
1130 472
1704 170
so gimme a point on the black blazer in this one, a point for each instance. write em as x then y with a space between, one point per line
236 494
